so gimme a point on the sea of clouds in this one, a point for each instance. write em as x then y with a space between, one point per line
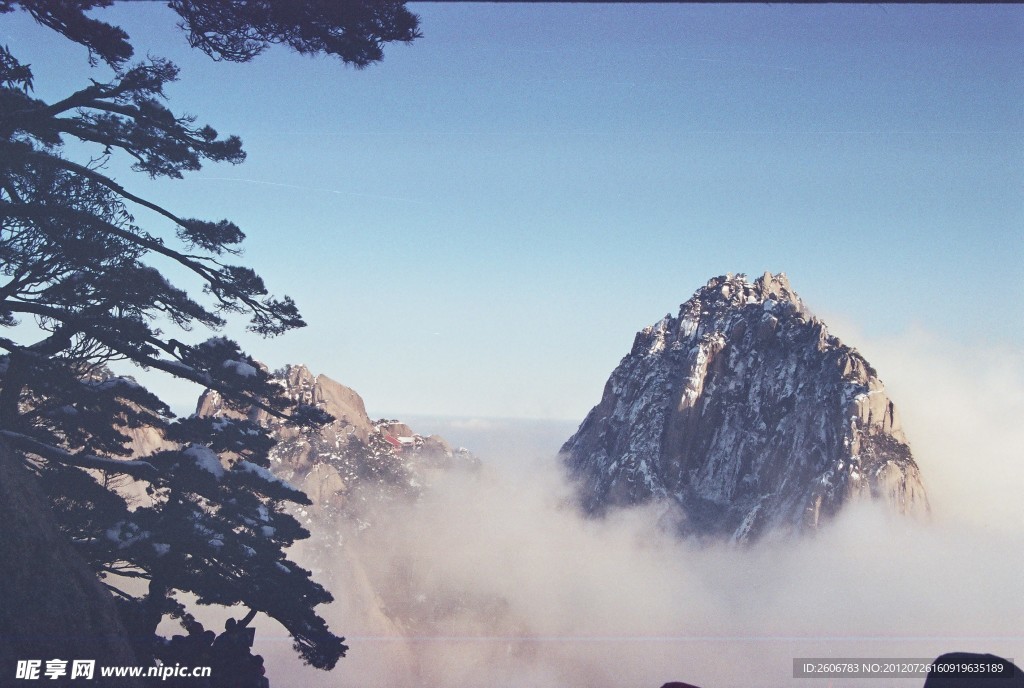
493 579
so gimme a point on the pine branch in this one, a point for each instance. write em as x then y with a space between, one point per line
137 469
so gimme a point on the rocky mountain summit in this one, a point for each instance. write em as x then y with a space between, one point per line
354 459
749 415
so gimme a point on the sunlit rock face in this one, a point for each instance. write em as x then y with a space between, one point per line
351 461
749 415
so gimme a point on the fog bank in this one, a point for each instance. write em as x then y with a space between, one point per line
492 580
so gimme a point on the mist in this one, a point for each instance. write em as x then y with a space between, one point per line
493 579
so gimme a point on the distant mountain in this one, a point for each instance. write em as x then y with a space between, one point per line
353 460
749 415
356 470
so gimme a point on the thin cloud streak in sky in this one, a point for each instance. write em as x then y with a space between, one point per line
307 188
738 63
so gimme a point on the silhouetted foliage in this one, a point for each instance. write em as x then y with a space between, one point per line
973 670
204 515
353 30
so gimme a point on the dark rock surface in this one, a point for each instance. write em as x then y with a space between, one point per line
51 604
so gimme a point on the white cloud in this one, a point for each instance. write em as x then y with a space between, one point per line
521 591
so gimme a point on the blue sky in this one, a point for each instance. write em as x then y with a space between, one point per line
479 225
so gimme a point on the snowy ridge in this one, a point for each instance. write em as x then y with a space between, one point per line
748 414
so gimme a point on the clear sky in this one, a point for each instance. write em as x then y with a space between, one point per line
480 224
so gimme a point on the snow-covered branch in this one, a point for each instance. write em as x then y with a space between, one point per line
137 469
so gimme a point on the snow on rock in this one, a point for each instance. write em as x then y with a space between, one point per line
748 414
206 459
345 465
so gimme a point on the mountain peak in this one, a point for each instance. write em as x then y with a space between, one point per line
725 299
336 462
747 413
737 289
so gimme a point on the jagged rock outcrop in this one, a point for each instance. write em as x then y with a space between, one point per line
52 606
354 459
748 414
343 403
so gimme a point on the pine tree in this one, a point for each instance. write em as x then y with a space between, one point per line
76 262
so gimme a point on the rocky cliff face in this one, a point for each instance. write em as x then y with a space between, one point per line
353 460
748 414
52 606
